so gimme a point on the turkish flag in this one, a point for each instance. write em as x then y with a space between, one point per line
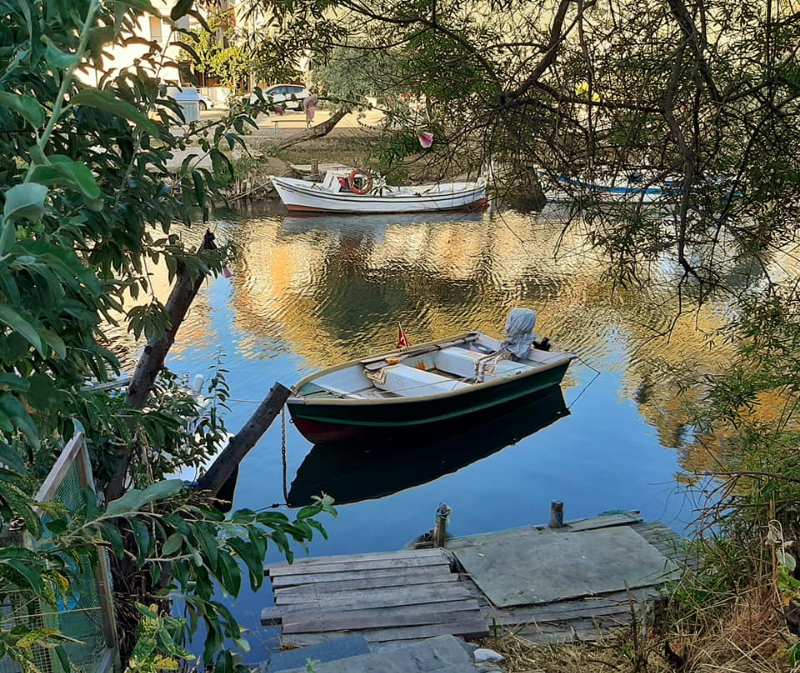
402 340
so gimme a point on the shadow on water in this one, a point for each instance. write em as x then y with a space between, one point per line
352 472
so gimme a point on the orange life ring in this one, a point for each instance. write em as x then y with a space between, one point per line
352 180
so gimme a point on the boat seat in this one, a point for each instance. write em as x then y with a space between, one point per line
408 381
331 182
463 363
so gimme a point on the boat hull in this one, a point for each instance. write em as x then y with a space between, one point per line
321 423
300 198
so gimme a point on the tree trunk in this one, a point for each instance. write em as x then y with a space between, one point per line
317 131
152 361
239 445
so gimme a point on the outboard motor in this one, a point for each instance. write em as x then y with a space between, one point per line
519 332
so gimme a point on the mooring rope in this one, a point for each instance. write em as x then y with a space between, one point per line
283 452
594 378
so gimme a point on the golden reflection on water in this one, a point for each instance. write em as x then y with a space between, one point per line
328 289
333 289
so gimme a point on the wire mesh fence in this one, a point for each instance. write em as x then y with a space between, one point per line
87 614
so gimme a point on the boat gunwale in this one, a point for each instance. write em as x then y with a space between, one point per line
294 400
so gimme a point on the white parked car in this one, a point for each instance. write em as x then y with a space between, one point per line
290 96
189 93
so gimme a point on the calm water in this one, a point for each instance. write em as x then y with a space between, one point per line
310 292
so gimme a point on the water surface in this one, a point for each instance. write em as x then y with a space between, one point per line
311 292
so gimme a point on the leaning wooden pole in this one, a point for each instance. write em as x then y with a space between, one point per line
240 444
151 362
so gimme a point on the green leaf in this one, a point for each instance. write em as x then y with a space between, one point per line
55 342
106 101
11 458
229 574
55 58
112 534
26 200
249 554
181 8
173 543
9 317
19 416
132 501
64 172
14 382
308 512
786 559
31 575
147 612
162 489
26 106
80 173
199 189
142 535
8 236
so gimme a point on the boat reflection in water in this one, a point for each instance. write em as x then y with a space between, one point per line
351 472
300 224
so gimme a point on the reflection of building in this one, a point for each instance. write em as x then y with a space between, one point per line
337 293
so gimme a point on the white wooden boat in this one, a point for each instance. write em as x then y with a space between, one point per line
632 188
418 387
333 195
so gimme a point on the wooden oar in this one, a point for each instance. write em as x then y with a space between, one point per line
372 364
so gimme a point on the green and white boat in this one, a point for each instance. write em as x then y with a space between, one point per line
414 388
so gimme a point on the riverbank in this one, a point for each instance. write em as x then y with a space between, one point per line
355 141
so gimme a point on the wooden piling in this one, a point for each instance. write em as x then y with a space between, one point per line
440 529
556 514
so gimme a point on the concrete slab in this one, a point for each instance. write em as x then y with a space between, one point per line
331 650
425 656
529 566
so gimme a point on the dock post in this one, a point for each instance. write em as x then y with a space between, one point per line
556 514
314 168
440 529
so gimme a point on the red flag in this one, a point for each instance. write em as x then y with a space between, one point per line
402 341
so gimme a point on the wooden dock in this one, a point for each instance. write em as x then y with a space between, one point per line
548 585
405 595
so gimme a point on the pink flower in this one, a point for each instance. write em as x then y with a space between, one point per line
279 110
426 139
227 272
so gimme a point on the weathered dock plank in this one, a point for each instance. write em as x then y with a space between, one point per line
413 615
306 613
391 556
282 581
468 628
367 564
399 579
383 597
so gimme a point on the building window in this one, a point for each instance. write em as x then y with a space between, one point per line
155 29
